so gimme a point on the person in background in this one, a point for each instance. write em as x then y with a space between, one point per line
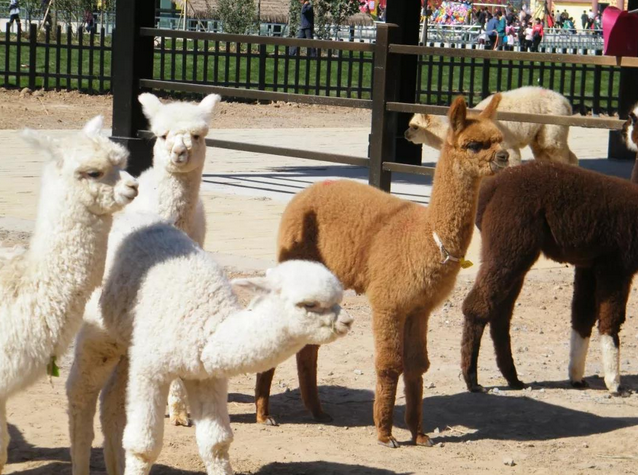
491 35
306 26
500 29
584 19
482 17
14 14
537 34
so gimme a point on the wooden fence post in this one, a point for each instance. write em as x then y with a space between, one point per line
385 88
33 54
132 59
627 97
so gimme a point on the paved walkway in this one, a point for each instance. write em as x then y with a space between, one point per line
245 193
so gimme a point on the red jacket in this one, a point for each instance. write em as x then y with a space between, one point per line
538 27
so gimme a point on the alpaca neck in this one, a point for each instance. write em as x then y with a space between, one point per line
178 195
452 207
265 342
65 262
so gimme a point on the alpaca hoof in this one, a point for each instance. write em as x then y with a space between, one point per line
423 440
389 441
517 385
267 420
322 417
622 392
180 420
579 384
477 388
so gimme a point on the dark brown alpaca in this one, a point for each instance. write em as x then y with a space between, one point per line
387 247
570 215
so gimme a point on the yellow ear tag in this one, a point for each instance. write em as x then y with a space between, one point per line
465 264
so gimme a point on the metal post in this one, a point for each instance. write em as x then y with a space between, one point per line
132 60
407 15
33 54
384 123
627 98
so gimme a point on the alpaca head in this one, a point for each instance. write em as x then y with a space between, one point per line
87 167
304 297
426 129
180 128
630 130
475 144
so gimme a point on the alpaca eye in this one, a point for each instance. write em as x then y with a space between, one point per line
474 146
163 137
310 305
95 174
196 137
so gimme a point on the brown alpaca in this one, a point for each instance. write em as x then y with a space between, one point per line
387 247
570 215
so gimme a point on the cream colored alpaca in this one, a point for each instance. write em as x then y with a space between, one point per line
44 289
171 188
548 142
403 256
159 284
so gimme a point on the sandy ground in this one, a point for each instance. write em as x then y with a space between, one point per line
548 429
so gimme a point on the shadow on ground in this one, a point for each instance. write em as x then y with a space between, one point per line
508 416
290 180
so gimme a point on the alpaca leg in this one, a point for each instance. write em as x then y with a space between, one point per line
492 300
500 332
144 430
95 357
209 409
4 435
416 363
262 396
307 371
612 292
113 417
583 320
388 339
177 404
515 157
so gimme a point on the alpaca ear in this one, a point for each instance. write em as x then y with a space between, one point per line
458 114
209 102
151 105
42 142
94 126
256 285
490 111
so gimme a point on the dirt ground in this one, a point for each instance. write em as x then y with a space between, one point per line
549 428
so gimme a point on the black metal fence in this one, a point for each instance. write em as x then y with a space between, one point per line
61 59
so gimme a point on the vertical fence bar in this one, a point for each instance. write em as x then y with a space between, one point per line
485 80
33 54
132 60
47 54
58 56
261 82
19 56
384 123
7 56
598 75
101 85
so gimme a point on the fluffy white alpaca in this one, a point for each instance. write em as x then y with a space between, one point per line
44 289
548 142
171 190
159 284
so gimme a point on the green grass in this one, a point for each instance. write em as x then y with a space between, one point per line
441 76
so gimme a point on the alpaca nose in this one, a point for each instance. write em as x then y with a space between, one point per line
502 156
179 152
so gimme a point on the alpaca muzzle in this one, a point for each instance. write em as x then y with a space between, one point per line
343 323
501 160
180 152
126 190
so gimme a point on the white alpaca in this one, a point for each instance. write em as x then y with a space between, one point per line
171 189
160 284
548 142
43 290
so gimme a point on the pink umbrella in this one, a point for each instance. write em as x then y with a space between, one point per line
620 32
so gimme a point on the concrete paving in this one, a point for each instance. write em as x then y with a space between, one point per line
245 193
